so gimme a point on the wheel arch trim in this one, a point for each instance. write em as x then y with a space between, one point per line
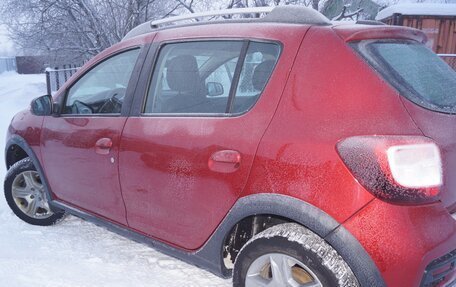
22 143
306 215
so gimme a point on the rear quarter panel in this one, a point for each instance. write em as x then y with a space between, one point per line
331 94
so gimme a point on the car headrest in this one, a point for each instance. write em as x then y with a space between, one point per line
261 74
182 74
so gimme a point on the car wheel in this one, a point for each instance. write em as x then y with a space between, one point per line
25 194
290 255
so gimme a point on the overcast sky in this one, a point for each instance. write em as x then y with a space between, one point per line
7 47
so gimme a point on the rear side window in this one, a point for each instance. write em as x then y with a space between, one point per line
210 77
415 71
256 71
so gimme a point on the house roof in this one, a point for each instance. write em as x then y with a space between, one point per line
422 9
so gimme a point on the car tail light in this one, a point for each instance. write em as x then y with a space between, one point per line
416 166
397 169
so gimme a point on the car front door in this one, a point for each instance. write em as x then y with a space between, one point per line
186 156
80 147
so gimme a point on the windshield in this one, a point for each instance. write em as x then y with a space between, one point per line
414 70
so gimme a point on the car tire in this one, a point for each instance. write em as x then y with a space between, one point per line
25 195
290 255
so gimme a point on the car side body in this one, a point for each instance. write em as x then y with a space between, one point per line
159 181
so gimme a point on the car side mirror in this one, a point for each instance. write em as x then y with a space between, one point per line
214 89
42 106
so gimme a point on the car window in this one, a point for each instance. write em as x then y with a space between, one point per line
415 71
102 89
189 77
198 77
224 76
256 71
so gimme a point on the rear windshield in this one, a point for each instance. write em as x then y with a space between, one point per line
414 70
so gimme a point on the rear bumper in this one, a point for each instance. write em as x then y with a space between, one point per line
411 245
441 271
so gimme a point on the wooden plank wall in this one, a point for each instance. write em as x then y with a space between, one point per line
441 30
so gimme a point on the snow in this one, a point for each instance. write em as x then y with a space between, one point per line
76 253
428 9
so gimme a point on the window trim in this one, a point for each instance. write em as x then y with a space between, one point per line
159 48
237 76
138 65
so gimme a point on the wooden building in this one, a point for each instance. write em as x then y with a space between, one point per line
437 21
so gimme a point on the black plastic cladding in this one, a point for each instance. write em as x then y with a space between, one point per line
438 270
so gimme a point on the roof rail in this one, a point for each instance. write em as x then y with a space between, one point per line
234 11
279 14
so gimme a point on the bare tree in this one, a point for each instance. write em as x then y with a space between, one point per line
348 15
75 30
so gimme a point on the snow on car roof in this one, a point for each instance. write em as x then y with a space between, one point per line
433 9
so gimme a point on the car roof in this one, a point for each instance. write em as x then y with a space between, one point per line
281 16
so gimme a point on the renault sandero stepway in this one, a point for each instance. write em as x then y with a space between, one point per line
285 150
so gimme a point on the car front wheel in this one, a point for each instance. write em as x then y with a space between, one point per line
290 255
25 195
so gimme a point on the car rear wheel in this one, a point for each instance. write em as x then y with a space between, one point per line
289 255
25 195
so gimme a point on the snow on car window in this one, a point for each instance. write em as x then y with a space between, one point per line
418 73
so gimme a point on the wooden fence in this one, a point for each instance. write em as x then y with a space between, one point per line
7 64
56 77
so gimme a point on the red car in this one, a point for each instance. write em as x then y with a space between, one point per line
285 151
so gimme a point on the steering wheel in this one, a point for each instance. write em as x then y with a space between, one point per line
113 105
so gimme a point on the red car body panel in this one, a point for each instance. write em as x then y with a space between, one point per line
300 160
165 185
171 188
402 240
68 147
27 126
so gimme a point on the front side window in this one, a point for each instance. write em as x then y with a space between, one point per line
102 89
415 71
200 77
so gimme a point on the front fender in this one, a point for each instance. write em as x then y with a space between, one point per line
14 139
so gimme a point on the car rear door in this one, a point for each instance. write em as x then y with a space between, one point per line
80 146
186 155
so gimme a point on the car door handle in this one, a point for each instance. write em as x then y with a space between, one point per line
103 146
225 161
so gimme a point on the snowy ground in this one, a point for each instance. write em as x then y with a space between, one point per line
75 253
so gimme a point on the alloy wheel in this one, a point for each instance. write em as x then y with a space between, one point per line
279 270
28 194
